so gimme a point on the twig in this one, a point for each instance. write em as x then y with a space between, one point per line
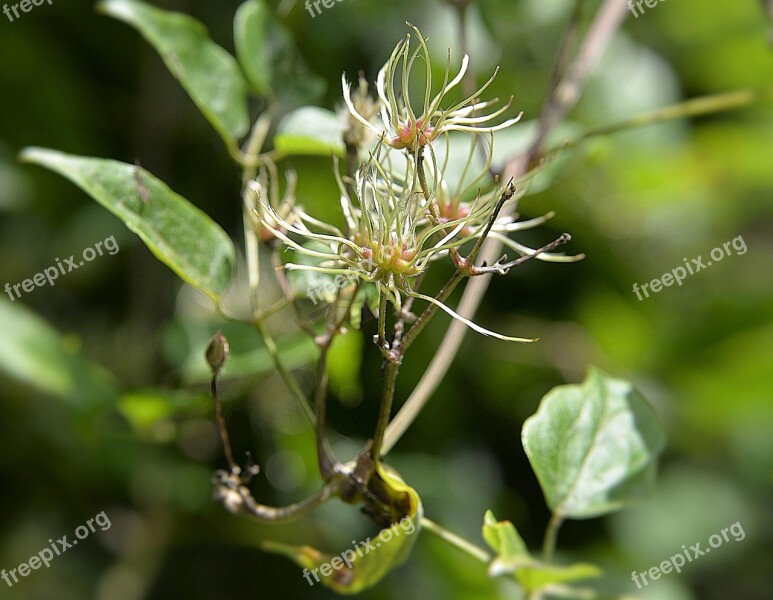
501 268
222 426
690 108
285 374
565 95
471 549
237 498
326 460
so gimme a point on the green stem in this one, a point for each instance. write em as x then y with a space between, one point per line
250 165
551 534
390 377
382 310
251 247
221 425
471 549
325 459
273 309
385 408
691 108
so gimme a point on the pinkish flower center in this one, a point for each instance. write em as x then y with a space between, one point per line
413 134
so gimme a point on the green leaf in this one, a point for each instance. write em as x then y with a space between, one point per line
270 59
512 557
251 38
35 354
310 131
179 234
593 446
503 539
369 562
541 575
209 74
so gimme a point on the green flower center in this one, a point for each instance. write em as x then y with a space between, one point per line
392 259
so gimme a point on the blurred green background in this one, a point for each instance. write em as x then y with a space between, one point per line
104 401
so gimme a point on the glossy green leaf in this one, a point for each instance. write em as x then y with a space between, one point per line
209 74
35 354
372 559
179 234
593 446
513 558
311 131
251 38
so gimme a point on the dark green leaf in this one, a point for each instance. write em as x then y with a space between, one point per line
179 234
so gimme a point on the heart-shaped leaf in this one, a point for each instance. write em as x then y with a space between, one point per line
179 234
593 446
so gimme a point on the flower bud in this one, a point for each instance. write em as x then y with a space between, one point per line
217 352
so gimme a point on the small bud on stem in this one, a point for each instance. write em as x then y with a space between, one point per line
217 352
216 355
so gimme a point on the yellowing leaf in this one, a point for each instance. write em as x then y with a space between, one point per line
359 568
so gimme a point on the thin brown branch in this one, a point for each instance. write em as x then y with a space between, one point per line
501 268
